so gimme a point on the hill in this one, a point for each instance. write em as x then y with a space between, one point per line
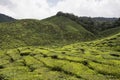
63 28
70 28
55 30
112 42
58 30
110 32
5 18
96 25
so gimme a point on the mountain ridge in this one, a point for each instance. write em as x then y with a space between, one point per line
5 18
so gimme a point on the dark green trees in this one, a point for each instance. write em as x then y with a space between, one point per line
4 18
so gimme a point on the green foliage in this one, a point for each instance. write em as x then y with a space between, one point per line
71 30
93 60
95 25
54 30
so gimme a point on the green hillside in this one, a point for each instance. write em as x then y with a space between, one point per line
110 32
5 18
70 28
94 60
26 33
96 25
112 42
45 32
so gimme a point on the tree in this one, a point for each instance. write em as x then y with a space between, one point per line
117 23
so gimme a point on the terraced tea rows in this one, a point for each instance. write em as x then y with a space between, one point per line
72 62
95 60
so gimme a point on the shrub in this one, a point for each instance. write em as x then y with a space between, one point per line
2 77
85 63
1 66
54 56
63 52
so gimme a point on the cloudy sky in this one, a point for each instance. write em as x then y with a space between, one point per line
39 9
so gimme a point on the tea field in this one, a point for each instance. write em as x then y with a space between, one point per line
94 60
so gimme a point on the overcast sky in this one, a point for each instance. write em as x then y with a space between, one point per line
39 9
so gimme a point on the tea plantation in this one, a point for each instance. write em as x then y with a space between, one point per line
93 60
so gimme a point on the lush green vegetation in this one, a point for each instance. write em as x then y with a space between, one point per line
45 32
95 60
95 25
59 48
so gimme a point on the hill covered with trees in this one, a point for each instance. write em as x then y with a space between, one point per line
95 25
5 18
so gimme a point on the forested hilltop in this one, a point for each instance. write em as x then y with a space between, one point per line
93 24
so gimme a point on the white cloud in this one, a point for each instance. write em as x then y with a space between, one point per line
5 10
39 9
106 8
30 9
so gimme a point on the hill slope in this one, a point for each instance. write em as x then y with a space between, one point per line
95 25
95 60
26 33
34 32
5 18
58 29
71 29
110 32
